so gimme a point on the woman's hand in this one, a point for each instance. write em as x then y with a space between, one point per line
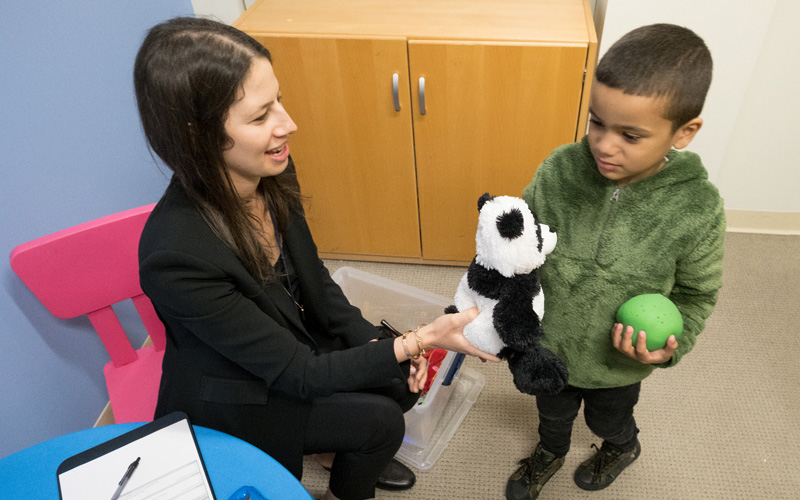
447 332
622 341
419 374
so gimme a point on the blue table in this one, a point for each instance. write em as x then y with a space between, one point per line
31 473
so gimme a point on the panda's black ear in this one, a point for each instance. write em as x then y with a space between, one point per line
483 199
511 224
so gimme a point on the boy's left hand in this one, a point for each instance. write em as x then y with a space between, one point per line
622 342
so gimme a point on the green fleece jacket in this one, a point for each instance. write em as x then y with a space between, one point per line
663 234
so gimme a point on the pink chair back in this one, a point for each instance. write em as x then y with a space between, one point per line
85 270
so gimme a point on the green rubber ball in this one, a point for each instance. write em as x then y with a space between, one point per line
653 313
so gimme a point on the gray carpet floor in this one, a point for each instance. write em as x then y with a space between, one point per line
723 424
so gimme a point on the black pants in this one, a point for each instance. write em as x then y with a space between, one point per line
608 413
365 430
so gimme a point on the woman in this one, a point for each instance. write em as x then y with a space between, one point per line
261 343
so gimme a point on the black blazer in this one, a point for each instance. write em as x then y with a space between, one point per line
239 358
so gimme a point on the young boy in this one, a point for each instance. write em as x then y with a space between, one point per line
633 216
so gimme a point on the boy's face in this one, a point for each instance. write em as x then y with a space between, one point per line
629 136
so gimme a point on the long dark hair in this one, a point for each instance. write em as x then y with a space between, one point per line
187 74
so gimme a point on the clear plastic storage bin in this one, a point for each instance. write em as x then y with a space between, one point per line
434 420
463 393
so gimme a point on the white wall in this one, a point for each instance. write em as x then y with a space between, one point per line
760 167
753 103
226 11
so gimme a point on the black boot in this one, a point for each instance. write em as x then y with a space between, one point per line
603 468
533 472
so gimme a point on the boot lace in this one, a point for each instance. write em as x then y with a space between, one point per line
534 466
604 457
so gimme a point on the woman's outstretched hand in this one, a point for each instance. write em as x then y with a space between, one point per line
447 332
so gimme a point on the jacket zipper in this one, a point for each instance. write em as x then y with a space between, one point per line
614 198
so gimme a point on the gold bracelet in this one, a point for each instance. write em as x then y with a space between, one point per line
405 347
423 351
420 345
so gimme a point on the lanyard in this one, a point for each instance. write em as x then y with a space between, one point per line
288 288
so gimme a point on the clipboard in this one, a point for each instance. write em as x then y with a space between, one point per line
170 465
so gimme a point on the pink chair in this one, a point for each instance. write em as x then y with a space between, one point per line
84 270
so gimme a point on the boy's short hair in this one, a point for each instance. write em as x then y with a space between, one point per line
661 60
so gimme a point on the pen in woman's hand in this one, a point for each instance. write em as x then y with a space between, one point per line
125 478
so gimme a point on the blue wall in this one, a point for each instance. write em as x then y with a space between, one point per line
71 150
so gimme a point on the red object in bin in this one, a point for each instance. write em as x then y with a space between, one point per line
435 358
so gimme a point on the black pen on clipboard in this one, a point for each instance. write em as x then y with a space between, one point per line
125 478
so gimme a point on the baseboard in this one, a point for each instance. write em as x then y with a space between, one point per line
391 259
748 221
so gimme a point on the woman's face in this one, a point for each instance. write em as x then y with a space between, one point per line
259 128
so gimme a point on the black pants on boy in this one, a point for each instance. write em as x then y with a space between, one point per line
608 413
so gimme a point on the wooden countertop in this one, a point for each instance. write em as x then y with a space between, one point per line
558 21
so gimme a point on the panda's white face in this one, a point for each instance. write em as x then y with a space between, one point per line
509 239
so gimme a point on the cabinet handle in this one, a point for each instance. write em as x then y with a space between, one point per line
396 91
422 95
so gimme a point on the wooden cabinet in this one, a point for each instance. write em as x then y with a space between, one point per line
408 111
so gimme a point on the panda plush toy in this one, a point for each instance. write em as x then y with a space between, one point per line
503 282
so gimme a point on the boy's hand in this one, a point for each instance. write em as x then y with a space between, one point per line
622 342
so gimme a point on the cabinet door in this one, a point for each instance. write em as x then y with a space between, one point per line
493 113
354 152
